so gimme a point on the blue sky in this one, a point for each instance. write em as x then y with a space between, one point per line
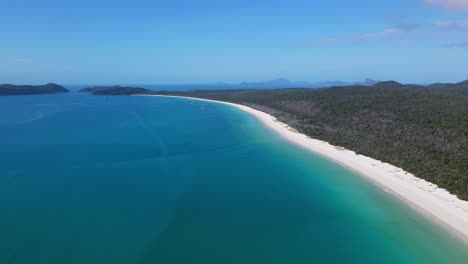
125 42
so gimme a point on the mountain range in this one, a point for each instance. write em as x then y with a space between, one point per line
285 83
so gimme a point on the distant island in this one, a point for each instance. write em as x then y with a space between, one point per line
50 88
115 90
422 129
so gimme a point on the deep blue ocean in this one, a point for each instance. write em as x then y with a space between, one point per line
95 179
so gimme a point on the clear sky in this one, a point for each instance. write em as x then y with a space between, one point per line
104 42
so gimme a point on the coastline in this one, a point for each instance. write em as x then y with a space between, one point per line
436 203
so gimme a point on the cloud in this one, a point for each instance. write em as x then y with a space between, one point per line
403 33
463 44
388 33
454 25
452 5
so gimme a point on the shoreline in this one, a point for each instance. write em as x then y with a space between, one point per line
434 202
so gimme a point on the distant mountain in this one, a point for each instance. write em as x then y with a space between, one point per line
285 83
50 88
440 85
388 84
262 85
460 85
281 82
273 84
366 82
463 84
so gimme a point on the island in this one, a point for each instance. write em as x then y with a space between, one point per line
115 90
50 88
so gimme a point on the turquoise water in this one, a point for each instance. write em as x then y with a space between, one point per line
87 179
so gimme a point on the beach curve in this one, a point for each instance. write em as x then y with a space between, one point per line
437 203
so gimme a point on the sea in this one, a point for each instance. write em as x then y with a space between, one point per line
128 179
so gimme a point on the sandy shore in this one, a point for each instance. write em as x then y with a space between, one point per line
437 203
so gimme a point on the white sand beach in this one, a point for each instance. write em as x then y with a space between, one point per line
435 202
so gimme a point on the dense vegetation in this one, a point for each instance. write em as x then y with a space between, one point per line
50 88
423 130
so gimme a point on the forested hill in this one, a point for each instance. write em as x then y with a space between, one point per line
422 129
50 88
115 90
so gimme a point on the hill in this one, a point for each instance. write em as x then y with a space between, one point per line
115 90
50 88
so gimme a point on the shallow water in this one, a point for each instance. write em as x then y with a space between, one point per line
89 179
